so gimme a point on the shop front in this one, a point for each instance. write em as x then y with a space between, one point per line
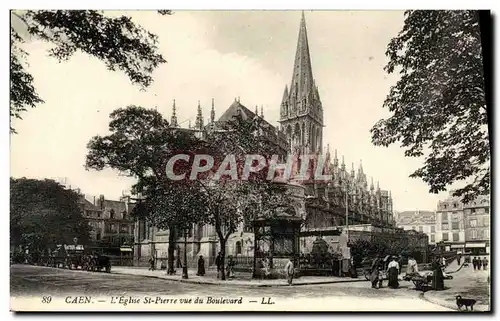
477 248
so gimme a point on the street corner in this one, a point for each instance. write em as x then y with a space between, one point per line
447 298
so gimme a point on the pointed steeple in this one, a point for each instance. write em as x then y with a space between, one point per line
360 169
212 112
261 111
199 118
173 118
335 159
285 95
343 163
256 110
302 79
352 170
371 186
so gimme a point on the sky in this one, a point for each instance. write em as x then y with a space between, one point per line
221 55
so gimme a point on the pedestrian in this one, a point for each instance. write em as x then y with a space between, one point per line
459 258
354 272
152 263
393 272
201 266
412 267
479 263
485 262
218 263
230 267
374 272
289 270
475 263
437 276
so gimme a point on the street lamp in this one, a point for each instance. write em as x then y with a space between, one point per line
184 267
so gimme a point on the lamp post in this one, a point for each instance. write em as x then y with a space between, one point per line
346 189
185 267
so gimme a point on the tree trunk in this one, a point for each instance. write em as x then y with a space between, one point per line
222 242
171 251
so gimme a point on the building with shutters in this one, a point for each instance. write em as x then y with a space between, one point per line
419 221
464 227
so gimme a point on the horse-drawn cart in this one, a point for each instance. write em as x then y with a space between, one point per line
67 256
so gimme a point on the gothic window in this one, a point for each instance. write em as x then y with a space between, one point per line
238 247
111 213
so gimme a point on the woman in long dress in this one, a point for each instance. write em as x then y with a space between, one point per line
393 271
437 276
201 266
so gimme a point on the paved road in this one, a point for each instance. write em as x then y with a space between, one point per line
28 280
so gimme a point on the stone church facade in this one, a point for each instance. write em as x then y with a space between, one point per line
322 206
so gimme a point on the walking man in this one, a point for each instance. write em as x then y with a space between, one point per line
485 263
289 271
218 263
152 263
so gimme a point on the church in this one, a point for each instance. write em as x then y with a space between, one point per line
350 199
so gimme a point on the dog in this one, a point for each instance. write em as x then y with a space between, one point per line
465 303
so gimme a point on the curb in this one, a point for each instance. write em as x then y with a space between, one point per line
240 285
422 296
448 306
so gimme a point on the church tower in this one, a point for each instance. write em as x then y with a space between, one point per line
301 112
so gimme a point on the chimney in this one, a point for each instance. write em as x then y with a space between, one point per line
101 201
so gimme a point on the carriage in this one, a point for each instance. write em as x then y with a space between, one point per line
67 256
96 262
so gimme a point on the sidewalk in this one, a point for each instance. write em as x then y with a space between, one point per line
241 279
469 284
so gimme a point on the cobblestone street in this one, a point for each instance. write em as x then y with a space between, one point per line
42 281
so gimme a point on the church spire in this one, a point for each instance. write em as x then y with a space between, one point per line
302 79
261 111
199 118
173 118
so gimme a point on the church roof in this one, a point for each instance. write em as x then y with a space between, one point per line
237 108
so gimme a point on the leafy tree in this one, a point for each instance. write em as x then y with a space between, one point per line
43 213
140 144
117 41
438 106
231 202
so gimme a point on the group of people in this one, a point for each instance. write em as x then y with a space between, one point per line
479 263
378 270
229 266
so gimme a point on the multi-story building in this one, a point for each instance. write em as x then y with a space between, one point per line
464 227
477 225
323 205
419 221
110 221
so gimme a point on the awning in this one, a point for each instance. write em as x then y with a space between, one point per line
475 245
125 249
457 246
